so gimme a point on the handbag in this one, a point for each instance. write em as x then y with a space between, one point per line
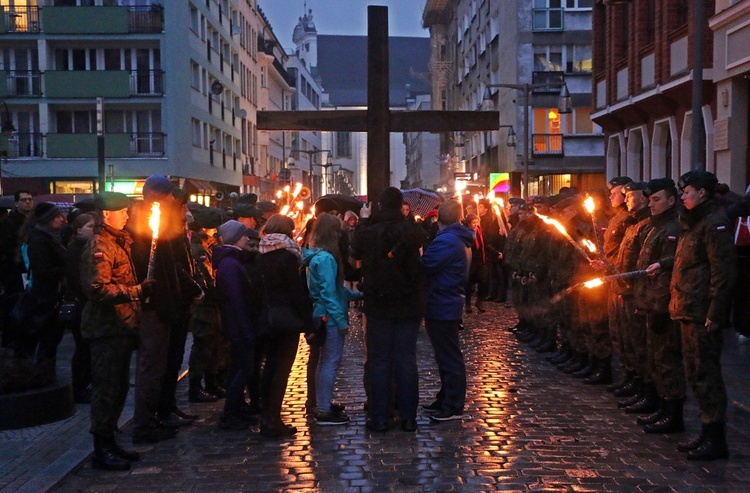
282 319
68 310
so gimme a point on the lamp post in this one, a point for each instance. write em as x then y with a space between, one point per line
328 175
309 156
564 105
7 131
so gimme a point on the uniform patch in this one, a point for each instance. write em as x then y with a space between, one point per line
721 228
98 255
672 238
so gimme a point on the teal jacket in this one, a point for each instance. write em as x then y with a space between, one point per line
329 296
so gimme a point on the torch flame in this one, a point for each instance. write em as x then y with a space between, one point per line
590 245
154 220
593 283
589 205
285 210
297 189
300 205
555 223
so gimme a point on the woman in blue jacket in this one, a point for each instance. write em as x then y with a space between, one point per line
325 281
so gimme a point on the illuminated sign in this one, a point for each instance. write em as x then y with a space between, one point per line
500 182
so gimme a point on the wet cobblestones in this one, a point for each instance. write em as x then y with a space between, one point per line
531 428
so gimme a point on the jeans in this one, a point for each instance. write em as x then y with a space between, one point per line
451 368
240 368
392 350
328 367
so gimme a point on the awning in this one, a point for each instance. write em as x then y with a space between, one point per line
200 186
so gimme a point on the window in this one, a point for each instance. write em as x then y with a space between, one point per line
343 144
579 4
196 133
547 15
195 72
194 20
578 59
548 59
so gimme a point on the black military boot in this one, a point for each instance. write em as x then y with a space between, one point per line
572 361
105 458
589 369
636 396
648 403
603 373
213 386
629 389
648 419
548 346
197 394
714 446
581 363
626 379
671 420
565 355
128 455
694 443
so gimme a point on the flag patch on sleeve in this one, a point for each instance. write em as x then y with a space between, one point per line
672 238
721 228
98 254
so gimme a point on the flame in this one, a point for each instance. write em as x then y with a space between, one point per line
154 220
501 202
555 223
278 194
300 205
476 198
594 283
589 205
286 189
297 189
590 245
285 210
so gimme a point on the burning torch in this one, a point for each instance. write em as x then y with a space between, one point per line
590 208
561 229
599 281
153 223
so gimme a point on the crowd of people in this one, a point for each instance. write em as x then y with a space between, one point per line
248 285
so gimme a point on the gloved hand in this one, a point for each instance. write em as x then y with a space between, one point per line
366 210
147 287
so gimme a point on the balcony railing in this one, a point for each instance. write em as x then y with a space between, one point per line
147 144
21 19
555 80
21 83
21 145
547 145
147 82
146 19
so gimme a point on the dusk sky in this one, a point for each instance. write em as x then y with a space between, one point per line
343 17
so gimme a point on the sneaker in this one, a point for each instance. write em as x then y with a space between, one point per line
433 408
445 415
332 419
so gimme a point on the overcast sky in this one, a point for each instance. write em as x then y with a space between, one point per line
342 17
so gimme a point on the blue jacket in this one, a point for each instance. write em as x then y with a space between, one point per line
445 264
329 296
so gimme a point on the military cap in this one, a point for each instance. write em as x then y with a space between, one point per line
538 199
209 218
248 198
157 185
516 201
635 186
267 206
527 207
111 201
566 202
243 209
553 200
659 184
698 180
618 181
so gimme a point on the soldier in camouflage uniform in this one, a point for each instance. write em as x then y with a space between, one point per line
664 345
703 276
513 255
110 323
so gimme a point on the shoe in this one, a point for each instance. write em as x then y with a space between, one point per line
648 403
435 407
409 425
128 455
173 420
277 431
564 356
602 375
332 419
578 365
694 443
200 396
106 459
628 389
626 379
185 415
154 435
337 408
547 347
217 391
233 421
714 446
445 415
375 426
650 418
670 420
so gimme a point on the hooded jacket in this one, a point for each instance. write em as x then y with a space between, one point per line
445 264
329 295
237 295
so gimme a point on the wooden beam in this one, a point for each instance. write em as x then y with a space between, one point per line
378 103
330 121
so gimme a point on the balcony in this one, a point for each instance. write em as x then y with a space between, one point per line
19 19
555 80
125 145
104 20
24 145
547 145
104 83
147 83
20 83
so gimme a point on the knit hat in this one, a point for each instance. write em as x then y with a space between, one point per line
243 209
431 213
618 181
350 215
252 234
231 231
111 201
44 212
698 180
391 198
157 185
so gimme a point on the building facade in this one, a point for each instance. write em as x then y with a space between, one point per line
480 44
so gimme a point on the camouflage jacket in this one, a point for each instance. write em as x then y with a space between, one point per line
705 266
627 257
652 292
615 232
108 279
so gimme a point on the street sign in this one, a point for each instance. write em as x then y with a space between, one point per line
465 175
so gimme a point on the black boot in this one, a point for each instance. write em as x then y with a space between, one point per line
105 458
629 389
694 443
648 419
671 420
648 403
603 373
128 455
565 355
714 446
213 386
197 394
589 369
580 364
547 347
636 396
627 378
572 361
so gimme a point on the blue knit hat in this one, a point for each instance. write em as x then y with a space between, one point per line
157 185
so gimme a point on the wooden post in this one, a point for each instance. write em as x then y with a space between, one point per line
378 103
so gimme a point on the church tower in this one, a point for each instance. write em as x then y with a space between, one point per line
305 40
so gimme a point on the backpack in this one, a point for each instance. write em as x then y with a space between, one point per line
742 231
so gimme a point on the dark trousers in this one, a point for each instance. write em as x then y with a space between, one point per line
701 352
665 355
498 288
110 381
175 355
153 349
80 364
240 368
392 344
280 352
451 368
312 368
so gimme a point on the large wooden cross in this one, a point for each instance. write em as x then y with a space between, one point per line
377 120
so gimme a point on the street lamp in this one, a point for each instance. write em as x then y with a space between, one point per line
564 105
329 175
309 157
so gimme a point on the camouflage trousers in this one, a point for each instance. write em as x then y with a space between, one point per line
205 325
664 343
628 334
594 324
702 359
110 381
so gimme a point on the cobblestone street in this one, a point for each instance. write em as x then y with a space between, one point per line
531 428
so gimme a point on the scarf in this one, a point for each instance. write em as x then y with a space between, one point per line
278 241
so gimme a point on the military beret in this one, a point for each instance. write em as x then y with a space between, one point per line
635 186
248 198
553 200
538 199
181 196
566 202
618 181
516 201
267 206
698 180
527 208
243 209
209 218
111 201
659 184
